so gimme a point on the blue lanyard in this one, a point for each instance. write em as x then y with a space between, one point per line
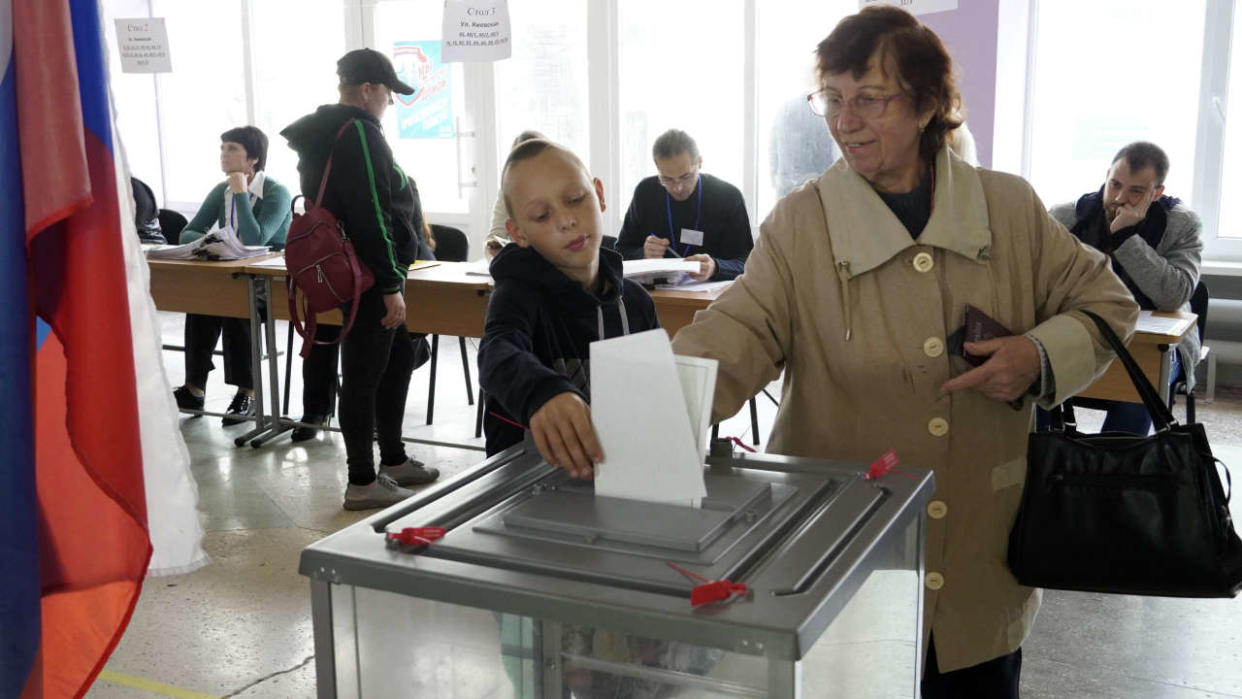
698 216
233 212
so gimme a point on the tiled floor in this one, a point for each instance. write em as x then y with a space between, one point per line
240 627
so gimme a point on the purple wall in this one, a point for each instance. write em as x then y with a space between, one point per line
969 32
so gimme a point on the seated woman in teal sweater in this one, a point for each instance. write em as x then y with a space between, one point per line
257 208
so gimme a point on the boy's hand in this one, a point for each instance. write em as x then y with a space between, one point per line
653 247
707 266
564 434
493 247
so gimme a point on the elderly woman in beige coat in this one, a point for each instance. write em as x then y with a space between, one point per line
857 282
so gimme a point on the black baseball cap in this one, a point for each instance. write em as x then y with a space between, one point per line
370 66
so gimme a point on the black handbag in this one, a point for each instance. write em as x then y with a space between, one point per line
1119 513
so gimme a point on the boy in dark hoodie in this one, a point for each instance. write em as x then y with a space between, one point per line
556 293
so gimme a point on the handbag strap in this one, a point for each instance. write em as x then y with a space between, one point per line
323 181
1161 416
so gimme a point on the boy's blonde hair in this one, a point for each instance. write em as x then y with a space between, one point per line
525 151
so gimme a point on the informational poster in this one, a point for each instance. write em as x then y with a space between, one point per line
428 113
143 43
476 30
914 7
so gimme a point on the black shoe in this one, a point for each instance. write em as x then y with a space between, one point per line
239 410
301 434
186 400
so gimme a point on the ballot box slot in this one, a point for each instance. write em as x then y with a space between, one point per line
790 527
823 538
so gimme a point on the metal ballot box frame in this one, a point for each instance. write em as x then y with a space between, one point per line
539 588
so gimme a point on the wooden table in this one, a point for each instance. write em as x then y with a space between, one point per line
220 288
209 288
445 300
1151 351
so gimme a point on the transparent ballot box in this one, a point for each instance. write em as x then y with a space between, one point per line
535 587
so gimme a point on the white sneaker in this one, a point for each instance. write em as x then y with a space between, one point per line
382 492
412 472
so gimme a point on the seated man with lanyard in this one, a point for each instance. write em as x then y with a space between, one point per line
1153 243
685 213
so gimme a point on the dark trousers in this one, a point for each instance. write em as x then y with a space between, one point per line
995 679
376 364
319 374
201 334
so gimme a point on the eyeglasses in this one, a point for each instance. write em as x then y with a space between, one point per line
866 106
682 180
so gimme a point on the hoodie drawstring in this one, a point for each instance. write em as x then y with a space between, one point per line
843 276
625 320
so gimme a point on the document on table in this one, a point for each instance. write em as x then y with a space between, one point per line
651 418
1161 325
667 269
273 262
479 268
218 244
702 287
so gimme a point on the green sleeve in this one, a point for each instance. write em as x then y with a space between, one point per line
207 216
271 220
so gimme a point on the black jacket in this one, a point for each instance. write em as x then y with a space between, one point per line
364 189
536 340
723 220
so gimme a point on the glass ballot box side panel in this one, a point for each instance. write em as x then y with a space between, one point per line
872 648
391 645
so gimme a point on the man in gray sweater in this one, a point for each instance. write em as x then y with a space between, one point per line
1153 242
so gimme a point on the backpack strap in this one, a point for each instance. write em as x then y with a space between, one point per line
323 182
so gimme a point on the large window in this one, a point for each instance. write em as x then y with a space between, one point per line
1230 226
1109 72
202 98
290 80
681 66
437 155
543 86
793 143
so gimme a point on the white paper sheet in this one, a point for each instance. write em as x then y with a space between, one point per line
217 244
698 387
639 409
479 268
273 262
1160 325
667 265
703 287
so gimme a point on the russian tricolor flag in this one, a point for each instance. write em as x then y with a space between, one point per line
74 544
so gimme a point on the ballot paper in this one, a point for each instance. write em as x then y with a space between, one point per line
663 270
651 418
217 244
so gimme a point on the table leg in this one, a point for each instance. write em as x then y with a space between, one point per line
277 423
1166 368
256 366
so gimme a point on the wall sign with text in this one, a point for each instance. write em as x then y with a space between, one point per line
476 30
143 43
914 7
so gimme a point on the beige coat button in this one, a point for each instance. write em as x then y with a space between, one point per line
938 426
933 347
923 262
934 581
936 509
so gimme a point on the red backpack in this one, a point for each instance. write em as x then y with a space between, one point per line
321 263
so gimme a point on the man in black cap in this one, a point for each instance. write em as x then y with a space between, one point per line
374 201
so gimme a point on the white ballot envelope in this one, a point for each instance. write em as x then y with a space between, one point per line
651 411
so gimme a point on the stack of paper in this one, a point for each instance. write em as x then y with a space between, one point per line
664 270
217 244
651 411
